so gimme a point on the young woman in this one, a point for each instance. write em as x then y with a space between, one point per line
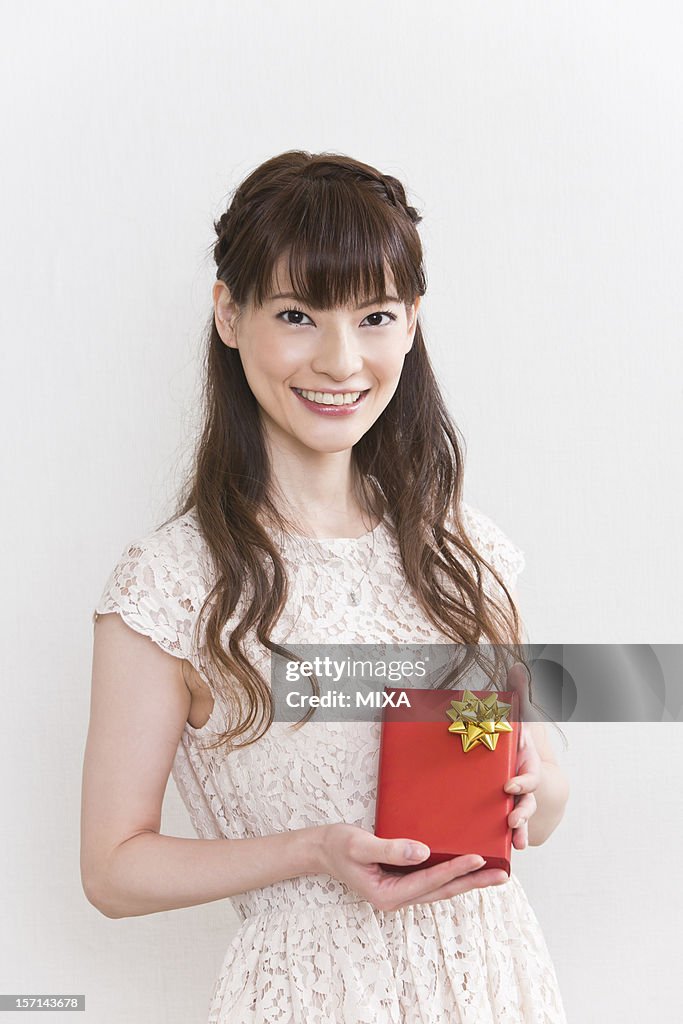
325 506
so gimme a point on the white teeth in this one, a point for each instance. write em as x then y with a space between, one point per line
327 398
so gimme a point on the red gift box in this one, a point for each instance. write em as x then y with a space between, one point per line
445 788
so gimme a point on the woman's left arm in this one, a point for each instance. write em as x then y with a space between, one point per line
541 784
552 792
533 825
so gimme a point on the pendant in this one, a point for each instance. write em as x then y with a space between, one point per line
354 597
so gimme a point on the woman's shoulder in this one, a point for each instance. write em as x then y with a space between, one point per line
178 541
493 543
159 582
175 551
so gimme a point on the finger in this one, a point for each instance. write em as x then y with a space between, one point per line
522 811
410 887
520 836
527 742
370 849
474 880
518 680
525 783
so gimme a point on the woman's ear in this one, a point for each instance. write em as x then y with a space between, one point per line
412 319
225 314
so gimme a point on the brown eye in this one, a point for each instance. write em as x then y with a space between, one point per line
392 316
294 313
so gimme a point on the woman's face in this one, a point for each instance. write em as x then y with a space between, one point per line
287 345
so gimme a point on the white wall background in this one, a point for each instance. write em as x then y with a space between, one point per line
542 143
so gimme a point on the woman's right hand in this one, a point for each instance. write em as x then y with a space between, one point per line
353 855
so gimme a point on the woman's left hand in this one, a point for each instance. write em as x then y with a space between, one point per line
529 764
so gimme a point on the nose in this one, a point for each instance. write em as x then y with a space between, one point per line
337 352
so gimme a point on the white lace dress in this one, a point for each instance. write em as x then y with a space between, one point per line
310 949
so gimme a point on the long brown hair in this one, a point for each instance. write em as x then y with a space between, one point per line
339 222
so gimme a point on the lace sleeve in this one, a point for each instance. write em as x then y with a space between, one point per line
495 546
147 590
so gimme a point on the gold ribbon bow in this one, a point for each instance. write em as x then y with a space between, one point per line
478 721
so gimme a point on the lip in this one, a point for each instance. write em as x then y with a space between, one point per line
330 391
332 410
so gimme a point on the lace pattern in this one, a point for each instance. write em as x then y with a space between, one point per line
309 948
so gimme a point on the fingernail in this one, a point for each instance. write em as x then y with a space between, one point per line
416 851
479 862
515 788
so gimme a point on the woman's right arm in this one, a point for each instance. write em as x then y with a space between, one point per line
139 705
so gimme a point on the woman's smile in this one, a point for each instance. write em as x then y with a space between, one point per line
331 403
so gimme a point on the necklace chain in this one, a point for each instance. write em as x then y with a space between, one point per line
354 592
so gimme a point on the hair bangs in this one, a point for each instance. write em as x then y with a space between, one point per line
332 247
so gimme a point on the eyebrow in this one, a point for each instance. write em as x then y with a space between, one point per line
372 302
